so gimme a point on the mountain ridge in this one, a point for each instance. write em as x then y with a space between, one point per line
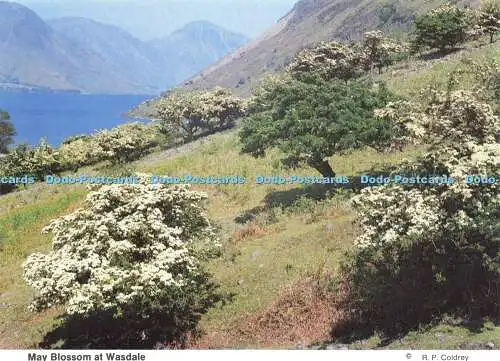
308 22
81 54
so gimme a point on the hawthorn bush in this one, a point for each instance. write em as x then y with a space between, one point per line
192 113
133 256
118 145
312 119
441 28
37 161
382 51
332 60
488 19
427 251
124 143
80 151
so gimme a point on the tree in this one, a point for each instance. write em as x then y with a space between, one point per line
135 252
381 50
193 112
441 28
489 18
7 131
332 60
313 119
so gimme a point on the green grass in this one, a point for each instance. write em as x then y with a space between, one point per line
445 336
221 156
20 236
409 78
297 243
295 247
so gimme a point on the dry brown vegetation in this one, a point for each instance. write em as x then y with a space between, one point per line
250 230
302 314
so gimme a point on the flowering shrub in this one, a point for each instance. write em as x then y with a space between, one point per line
120 144
80 152
193 112
485 74
124 143
488 20
135 250
441 28
382 51
31 161
432 249
330 60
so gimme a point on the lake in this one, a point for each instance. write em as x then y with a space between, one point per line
56 116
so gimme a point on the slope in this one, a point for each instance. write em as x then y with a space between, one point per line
23 37
310 21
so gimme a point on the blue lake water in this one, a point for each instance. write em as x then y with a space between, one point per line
55 116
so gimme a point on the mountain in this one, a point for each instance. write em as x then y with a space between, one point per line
309 22
80 54
197 45
25 38
113 55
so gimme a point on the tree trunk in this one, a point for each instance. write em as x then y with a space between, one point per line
324 168
492 35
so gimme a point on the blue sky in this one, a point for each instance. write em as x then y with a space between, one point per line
147 19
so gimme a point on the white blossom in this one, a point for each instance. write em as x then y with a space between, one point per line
128 242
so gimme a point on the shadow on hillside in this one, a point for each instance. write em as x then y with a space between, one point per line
285 199
435 55
173 324
405 291
101 330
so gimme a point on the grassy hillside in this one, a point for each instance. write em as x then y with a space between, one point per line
288 239
408 78
278 245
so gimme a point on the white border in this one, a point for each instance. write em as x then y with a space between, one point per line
249 355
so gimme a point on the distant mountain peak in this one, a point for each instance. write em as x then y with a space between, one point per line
197 45
22 26
205 26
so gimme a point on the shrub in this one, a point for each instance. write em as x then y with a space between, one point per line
36 161
441 28
134 252
431 250
79 152
126 142
331 60
381 50
311 120
195 112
